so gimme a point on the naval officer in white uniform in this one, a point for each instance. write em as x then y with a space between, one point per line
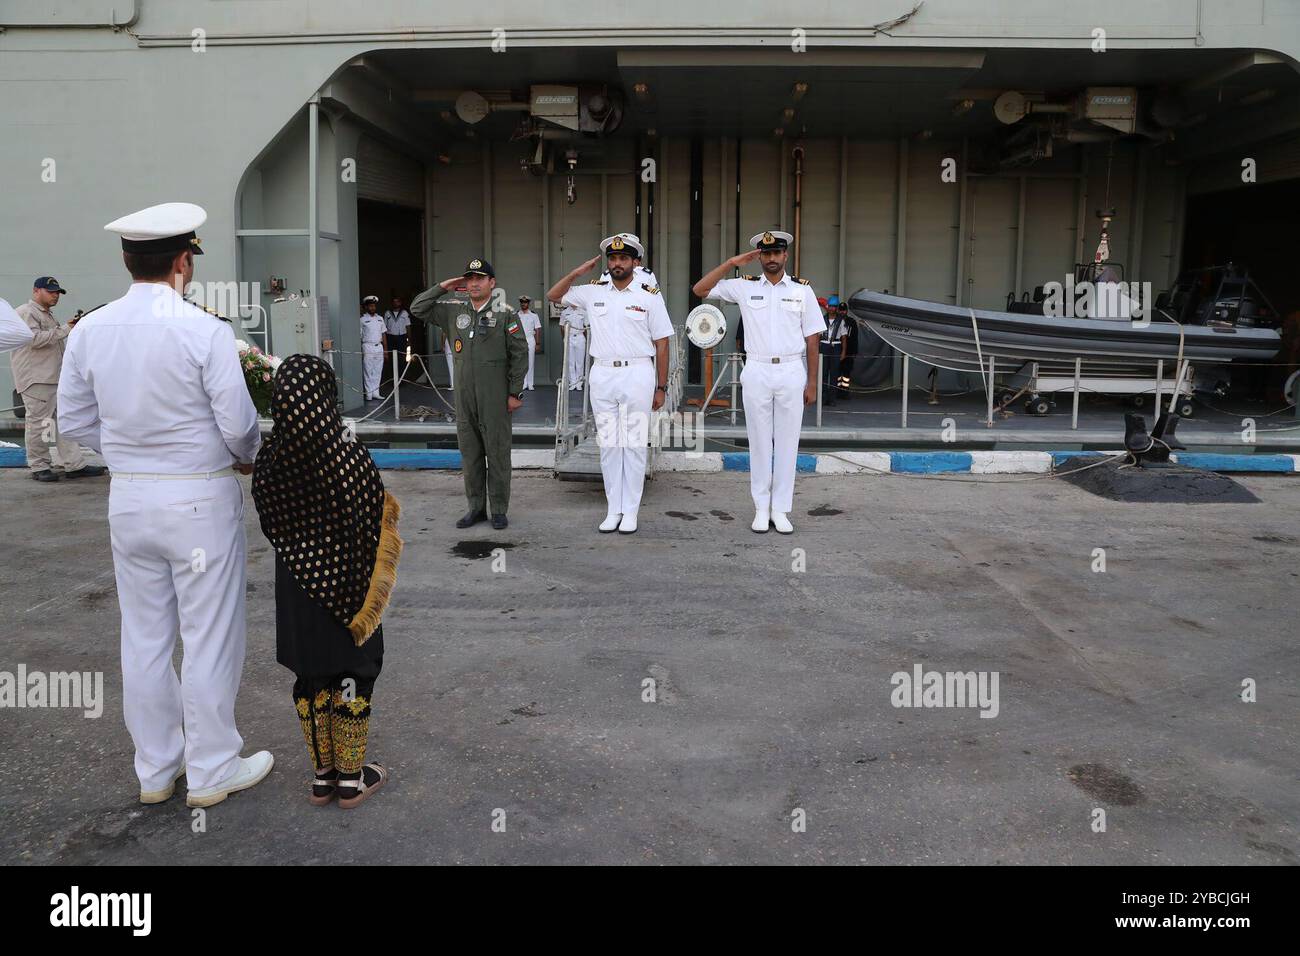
14 332
783 322
629 328
154 385
373 341
532 327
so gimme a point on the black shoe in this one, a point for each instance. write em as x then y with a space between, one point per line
499 522
45 475
86 471
471 517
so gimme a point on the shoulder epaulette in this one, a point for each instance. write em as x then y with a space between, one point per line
750 278
801 281
652 289
599 281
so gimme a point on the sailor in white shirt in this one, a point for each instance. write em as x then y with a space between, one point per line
14 332
532 326
397 321
154 384
782 322
630 329
372 346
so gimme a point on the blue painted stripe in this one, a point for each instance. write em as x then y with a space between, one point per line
739 461
805 463
1214 462
416 459
929 462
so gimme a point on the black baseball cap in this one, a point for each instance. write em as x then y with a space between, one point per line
480 267
49 284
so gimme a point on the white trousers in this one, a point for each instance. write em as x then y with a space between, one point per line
577 360
451 364
532 357
620 404
372 366
178 553
773 400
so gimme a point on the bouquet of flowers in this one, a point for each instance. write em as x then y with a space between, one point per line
259 368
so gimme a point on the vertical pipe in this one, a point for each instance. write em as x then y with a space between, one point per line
900 236
821 361
487 200
1078 368
650 218
722 198
960 297
604 205
784 186
1160 384
661 173
546 278
736 231
1081 212
313 217
1020 236
397 395
988 388
798 202
844 215
907 369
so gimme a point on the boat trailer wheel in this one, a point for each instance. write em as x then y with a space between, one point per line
1185 408
1037 405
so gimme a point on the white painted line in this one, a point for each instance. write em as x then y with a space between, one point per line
532 458
853 462
688 461
1010 462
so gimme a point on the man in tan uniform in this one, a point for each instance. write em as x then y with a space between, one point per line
36 376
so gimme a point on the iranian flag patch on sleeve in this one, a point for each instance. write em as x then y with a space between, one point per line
513 327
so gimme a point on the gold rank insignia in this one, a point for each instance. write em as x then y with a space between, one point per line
768 238
652 289
476 264
617 243
459 345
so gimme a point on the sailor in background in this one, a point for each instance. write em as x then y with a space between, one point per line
36 377
783 322
396 323
14 332
834 346
372 346
532 326
630 329
154 384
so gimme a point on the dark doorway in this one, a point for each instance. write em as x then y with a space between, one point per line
1253 226
391 257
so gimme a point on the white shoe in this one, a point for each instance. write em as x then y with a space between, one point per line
782 523
252 771
760 521
628 524
159 796
610 523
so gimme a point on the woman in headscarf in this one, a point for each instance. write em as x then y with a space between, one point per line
323 506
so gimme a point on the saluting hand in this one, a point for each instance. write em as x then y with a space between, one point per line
449 284
744 259
587 266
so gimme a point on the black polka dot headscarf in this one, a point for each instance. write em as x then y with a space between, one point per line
319 496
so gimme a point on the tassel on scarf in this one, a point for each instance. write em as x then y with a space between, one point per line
383 577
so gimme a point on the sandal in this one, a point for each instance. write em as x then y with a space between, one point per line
373 776
324 787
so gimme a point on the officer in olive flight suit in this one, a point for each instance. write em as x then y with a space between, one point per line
491 354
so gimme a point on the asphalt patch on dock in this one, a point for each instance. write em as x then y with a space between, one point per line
1156 484
474 550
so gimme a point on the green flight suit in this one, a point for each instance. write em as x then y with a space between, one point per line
491 359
